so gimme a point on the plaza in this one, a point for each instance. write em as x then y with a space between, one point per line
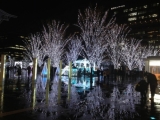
17 101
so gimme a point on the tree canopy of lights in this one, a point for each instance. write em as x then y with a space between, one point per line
116 39
129 54
54 41
74 49
33 46
93 27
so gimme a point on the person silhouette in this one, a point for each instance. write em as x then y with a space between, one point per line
29 71
19 71
143 91
152 81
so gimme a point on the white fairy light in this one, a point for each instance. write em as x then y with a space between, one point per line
54 41
94 30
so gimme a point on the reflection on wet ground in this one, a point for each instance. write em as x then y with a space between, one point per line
17 100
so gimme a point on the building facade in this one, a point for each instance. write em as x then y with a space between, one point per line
143 18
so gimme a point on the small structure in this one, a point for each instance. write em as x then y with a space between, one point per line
78 64
152 65
4 16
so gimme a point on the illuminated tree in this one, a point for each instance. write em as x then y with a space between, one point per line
94 29
55 42
34 47
116 40
130 55
141 54
74 49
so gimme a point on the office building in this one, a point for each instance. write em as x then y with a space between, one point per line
142 18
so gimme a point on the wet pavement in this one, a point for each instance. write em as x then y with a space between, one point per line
15 106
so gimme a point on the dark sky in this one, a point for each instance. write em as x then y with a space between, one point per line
32 14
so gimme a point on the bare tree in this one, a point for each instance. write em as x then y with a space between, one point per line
34 47
55 42
74 49
129 55
141 54
94 28
116 40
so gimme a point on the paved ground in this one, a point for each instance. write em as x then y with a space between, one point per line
13 106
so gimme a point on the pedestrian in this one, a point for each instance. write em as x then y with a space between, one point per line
152 82
29 70
19 71
143 88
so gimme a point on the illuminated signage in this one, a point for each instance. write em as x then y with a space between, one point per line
117 7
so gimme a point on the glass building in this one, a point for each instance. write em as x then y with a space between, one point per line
142 18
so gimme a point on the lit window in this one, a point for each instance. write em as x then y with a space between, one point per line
139 7
132 14
132 19
141 17
154 15
156 4
141 12
135 8
131 9
115 12
126 10
145 6
21 36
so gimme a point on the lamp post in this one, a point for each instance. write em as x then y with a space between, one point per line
2 78
34 77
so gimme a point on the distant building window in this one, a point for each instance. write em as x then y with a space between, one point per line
141 17
156 4
132 14
132 19
151 41
126 10
117 7
131 9
135 8
139 7
145 6
154 15
141 12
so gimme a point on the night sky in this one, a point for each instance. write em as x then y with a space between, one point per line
32 14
